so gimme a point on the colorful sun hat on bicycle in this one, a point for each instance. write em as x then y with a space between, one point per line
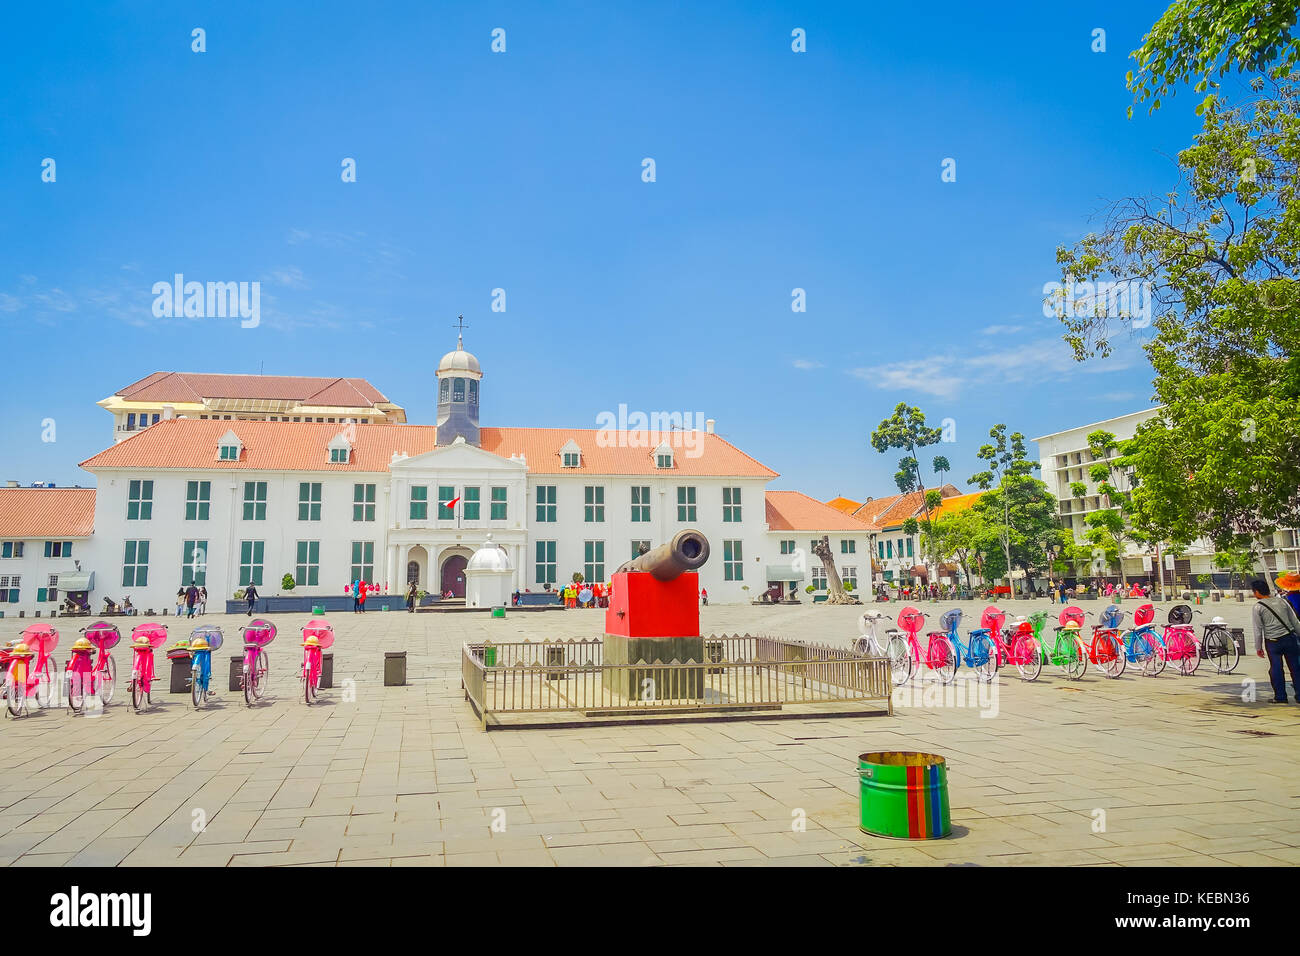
22 650
81 644
199 643
142 641
311 641
1290 581
1217 620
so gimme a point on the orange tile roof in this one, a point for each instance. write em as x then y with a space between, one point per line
306 390
892 511
955 503
795 511
190 443
844 504
47 512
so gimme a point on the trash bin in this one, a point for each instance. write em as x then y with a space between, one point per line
237 673
383 607
1239 638
904 795
327 670
394 668
317 610
498 612
180 679
489 655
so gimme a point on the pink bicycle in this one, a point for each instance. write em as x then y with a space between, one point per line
87 678
317 637
938 656
31 668
144 639
257 635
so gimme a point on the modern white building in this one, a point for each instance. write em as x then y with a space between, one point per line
225 501
1066 459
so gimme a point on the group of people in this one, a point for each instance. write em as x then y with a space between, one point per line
360 591
191 600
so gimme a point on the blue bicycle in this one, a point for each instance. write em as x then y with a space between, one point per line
977 652
1142 644
205 639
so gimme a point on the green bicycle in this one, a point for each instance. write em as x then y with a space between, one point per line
1067 651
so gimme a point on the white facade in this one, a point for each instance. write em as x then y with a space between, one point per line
29 579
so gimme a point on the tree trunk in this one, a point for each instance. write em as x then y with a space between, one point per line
834 586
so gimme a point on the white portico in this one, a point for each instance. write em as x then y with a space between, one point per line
443 502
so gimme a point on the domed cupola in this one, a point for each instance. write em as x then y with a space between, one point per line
459 376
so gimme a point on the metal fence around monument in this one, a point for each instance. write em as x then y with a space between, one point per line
739 672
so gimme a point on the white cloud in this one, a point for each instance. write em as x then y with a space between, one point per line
806 364
1001 329
290 277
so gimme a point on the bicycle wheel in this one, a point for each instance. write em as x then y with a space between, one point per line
983 658
107 680
196 691
942 659
1109 655
1025 655
76 692
900 660
1222 650
1189 656
307 693
262 667
137 694
1074 660
249 677
15 696
45 683
1151 660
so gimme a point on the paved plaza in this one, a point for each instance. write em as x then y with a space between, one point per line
1136 771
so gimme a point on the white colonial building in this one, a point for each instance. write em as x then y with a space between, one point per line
227 502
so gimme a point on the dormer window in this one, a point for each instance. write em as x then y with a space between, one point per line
664 456
571 455
571 459
340 451
229 446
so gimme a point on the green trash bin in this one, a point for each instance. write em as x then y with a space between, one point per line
317 610
489 655
904 795
498 612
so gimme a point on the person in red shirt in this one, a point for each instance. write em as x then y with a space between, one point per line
364 590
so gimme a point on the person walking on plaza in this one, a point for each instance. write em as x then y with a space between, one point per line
191 599
1288 586
356 596
365 591
1277 632
410 597
251 595
180 601
203 599
704 596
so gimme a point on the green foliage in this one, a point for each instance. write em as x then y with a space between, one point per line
911 526
1078 488
964 536
1220 459
941 467
1020 516
287 583
1008 467
1198 40
577 577
906 430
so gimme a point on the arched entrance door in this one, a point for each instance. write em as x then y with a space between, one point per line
453 575
412 572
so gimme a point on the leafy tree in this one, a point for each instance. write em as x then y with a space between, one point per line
1021 517
906 430
961 536
1198 40
1220 259
941 468
1009 465
1108 527
287 583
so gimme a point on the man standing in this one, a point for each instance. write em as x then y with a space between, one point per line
1276 630
410 597
251 594
191 599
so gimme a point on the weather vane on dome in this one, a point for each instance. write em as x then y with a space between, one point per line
460 334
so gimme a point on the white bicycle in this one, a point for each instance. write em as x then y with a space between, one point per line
894 649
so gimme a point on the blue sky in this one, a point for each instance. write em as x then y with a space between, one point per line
523 171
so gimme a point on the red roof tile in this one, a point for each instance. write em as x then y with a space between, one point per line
306 390
47 512
302 446
845 505
795 511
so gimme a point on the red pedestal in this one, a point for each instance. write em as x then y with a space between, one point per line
644 606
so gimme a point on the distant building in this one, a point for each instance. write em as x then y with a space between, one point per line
44 534
1066 459
275 398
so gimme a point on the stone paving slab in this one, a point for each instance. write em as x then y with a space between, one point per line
1135 771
